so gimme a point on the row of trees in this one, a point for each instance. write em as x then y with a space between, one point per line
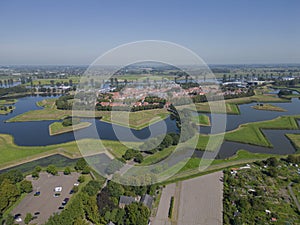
12 185
63 102
6 83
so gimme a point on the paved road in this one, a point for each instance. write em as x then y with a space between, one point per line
46 204
164 204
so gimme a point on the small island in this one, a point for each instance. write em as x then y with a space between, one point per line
4 110
268 107
67 125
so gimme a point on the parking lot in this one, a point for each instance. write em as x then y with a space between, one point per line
46 204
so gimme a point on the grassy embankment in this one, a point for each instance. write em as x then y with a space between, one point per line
231 105
12 154
137 120
191 168
57 127
251 133
295 139
202 120
8 101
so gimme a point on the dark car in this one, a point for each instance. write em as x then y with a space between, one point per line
37 213
37 193
65 201
61 207
16 216
71 192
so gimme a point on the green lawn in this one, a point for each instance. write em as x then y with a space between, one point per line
251 133
12 154
202 120
137 120
295 139
57 127
8 101
191 168
158 156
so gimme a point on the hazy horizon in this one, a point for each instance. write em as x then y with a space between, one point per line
220 32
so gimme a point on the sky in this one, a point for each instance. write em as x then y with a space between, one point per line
58 32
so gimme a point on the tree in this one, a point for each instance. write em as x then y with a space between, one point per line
272 161
81 179
8 194
80 164
26 186
139 158
28 218
52 170
115 189
86 170
67 171
35 174
10 220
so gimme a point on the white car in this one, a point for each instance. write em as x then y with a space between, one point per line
18 220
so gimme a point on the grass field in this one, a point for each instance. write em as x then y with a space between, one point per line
251 133
202 120
158 156
57 127
12 154
8 101
137 120
191 168
74 79
295 139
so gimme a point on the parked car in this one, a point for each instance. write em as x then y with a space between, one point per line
37 213
56 195
18 220
61 207
65 201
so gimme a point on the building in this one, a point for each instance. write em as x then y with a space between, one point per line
147 200
110 223
126 200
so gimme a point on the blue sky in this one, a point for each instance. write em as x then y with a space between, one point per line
77 32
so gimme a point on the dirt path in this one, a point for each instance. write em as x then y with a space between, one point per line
294 196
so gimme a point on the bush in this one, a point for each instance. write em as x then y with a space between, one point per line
70 121
67 171
81 179
35 174
171 207
52 170
28 218
80 164
26 186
